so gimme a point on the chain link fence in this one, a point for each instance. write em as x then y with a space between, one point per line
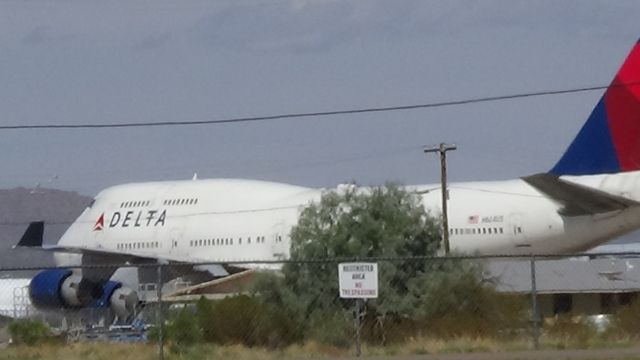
423 305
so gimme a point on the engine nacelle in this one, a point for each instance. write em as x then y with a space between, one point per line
122 300
61 288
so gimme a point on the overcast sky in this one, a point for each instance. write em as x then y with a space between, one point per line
73 62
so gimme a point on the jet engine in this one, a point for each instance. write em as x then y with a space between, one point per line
121 299
61 288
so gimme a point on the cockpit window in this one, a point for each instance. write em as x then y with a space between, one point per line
93 201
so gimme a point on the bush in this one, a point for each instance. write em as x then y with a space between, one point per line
29 332
245 320
180 330
571 330
626 321
183 330
335 328
451 300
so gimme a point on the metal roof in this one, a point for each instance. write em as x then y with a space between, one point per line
571 275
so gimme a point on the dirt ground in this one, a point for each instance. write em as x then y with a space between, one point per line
627 353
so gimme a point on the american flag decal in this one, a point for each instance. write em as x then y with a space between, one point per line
473 219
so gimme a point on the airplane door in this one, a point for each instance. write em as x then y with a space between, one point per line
517 232
279 243
176 237
98 238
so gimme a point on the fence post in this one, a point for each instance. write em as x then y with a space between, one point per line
534 305
358 326
159 319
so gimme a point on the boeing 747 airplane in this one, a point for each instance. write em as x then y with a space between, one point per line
590 196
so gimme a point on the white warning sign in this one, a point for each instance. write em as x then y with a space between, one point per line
358 280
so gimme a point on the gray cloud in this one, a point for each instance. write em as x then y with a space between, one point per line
310 26
152 41
205 60
39 35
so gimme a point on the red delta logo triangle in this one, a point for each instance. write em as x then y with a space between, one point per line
99 223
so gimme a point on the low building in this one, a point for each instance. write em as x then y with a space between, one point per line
586 285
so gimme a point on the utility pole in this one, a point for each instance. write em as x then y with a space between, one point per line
442 149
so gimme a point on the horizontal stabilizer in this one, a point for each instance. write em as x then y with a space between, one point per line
577 200
33 236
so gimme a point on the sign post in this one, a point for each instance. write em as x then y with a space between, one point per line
358 281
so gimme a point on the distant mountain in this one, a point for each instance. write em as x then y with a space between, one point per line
20 206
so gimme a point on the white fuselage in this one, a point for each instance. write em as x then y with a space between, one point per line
237 220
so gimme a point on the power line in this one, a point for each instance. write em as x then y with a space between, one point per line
316 114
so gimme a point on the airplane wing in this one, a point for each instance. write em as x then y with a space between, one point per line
33 238
577 200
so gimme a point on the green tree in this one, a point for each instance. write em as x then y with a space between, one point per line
385 221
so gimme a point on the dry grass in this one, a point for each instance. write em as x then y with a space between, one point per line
98 351
80 351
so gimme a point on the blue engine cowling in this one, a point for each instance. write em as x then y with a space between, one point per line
122 300
61 288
